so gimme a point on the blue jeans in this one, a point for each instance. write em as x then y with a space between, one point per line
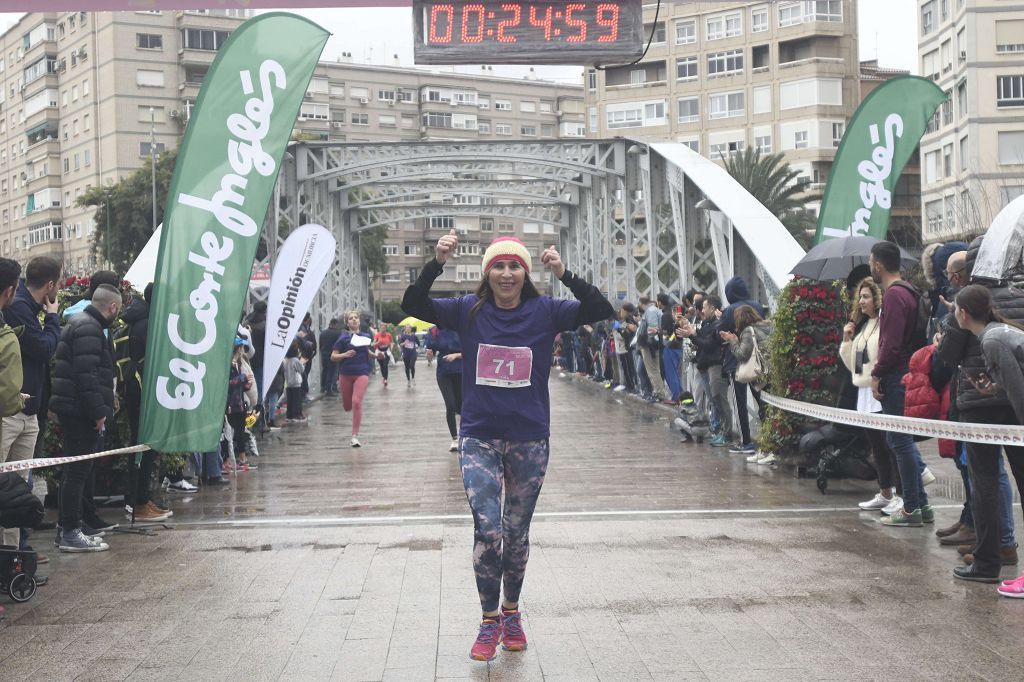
908 458
643 384
212 464
1006 506
272 399
705 381
671 358
966 517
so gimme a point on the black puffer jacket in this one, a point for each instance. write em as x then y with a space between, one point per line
18 506
960 348
83 384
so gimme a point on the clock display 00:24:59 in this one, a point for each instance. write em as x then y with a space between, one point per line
452 23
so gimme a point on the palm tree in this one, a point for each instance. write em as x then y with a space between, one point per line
772 181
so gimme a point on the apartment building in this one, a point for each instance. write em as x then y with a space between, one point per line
973 150
80 95
720 76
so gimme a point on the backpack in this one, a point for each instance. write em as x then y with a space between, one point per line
919 337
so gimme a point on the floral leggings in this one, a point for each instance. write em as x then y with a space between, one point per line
501 533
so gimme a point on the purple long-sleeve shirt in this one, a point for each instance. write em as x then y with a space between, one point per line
896 324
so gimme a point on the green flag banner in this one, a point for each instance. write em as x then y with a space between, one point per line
879 140
222 185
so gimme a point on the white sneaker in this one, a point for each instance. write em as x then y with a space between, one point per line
454 447
182 486
768 459
355 442
620 387
927 477
894 506
875 503
753 459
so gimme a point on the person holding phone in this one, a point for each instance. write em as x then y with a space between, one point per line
36 296
507 332
1002 346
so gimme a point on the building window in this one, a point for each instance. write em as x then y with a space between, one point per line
758 19
441 222
203 39
435 119
502 129
947 160
149 41
314 112
928 17
794 12
762 99
591 82
686 69
528 131
528 107
964 151
800 139
360 119
933 216
689 110
693 145
724 26
725 62
811 92
506 227
146 78
390 249
486 225
1011 148
961 98
631 117
947 108
725 105
657 33
838 129
686 31
502 105
763 144
412 249
1010 91
1010 36
720 149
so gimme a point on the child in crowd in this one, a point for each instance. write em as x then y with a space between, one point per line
294 367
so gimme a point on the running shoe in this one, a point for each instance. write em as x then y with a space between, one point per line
1013 590
355 442
718 442
876 503
753 459
485 648
513 638
1019 579
903 519
454 447
768 459
181 486
894 506
743 449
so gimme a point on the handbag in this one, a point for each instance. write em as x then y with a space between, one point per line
751 371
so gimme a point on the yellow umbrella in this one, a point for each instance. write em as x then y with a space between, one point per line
417 325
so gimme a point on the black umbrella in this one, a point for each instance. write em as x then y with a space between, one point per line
835 258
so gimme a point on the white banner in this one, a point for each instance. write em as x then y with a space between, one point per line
302 263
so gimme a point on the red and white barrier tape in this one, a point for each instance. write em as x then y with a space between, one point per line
26 464
992 434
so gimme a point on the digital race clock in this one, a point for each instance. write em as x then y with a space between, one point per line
553 32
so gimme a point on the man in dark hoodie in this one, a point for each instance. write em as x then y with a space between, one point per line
257 324
738 294
328 369
958 347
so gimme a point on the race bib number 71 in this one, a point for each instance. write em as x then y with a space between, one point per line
503 366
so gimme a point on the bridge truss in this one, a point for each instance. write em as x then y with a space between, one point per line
632 218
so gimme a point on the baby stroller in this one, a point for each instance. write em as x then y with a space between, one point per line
838 451
19 508
691 422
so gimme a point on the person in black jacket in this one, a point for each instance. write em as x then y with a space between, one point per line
708 346
83 400
257 324
328 369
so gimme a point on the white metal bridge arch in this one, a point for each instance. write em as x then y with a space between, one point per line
633 218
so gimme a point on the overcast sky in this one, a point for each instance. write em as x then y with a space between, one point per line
888 31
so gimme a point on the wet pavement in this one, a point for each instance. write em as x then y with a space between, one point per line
650 560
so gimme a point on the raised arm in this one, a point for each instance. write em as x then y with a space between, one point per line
416 301
593 305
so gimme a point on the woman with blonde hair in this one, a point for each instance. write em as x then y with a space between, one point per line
352 350
859 352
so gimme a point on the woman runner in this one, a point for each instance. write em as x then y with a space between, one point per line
507 330
445 345
409 343
352 350
382 344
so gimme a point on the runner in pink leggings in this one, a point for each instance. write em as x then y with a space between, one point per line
352 350
507 332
